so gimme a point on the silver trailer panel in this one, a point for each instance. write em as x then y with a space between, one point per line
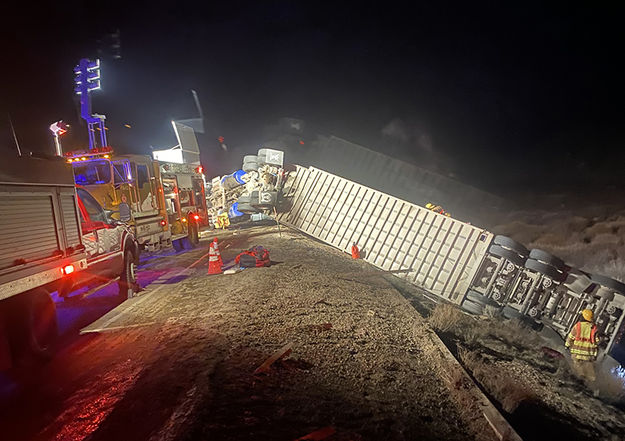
438 253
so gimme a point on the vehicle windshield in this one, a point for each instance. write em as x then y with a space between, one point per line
92 172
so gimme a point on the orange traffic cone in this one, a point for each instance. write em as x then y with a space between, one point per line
216 248
355 252
214 267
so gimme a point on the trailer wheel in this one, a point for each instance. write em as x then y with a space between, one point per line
35 327
481 299
473 307
545 269
511 244
511 313
512 256
128 281
547 258
608 283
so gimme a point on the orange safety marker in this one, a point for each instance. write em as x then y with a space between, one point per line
214 266
216 248
355 252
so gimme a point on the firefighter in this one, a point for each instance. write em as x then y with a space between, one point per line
436 208
583 341
124 210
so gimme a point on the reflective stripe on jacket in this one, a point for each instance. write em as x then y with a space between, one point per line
583 341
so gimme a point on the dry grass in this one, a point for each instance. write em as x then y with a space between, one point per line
514 333
473 335
445 317
508 391
592 244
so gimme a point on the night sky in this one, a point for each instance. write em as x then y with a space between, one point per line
498 95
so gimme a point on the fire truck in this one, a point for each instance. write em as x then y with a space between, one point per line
163 202
53 237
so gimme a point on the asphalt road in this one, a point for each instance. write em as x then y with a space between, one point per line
69 397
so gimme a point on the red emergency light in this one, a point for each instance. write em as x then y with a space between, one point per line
163 223
196 217
200 169
67 269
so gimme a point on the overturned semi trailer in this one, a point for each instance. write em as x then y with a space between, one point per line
451 259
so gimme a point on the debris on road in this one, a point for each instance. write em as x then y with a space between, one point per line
321 327
318 435
280 353
257 256
552 353
236 269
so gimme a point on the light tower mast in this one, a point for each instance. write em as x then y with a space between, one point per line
88 79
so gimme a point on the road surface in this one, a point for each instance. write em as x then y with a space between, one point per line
177 362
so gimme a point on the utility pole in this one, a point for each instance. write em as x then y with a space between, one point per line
17 144
88 79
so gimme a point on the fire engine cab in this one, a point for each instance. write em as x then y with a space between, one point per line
163 203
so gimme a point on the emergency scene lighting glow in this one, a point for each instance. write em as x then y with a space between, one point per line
312 221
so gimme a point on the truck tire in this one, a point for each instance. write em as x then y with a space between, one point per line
127 280
247 209
608 283
511 244
473 307
512 256
546 270
35 328
510 313
481 299
250 158
547 258
244 199
250 166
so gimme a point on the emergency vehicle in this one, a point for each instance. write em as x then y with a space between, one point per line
53 237
163 202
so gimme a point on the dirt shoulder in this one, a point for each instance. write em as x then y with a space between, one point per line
526 377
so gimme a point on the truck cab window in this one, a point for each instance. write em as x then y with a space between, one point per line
94 209
186 199
92 172
122 172
142 175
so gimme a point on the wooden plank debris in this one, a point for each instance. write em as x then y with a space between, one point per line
280 353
